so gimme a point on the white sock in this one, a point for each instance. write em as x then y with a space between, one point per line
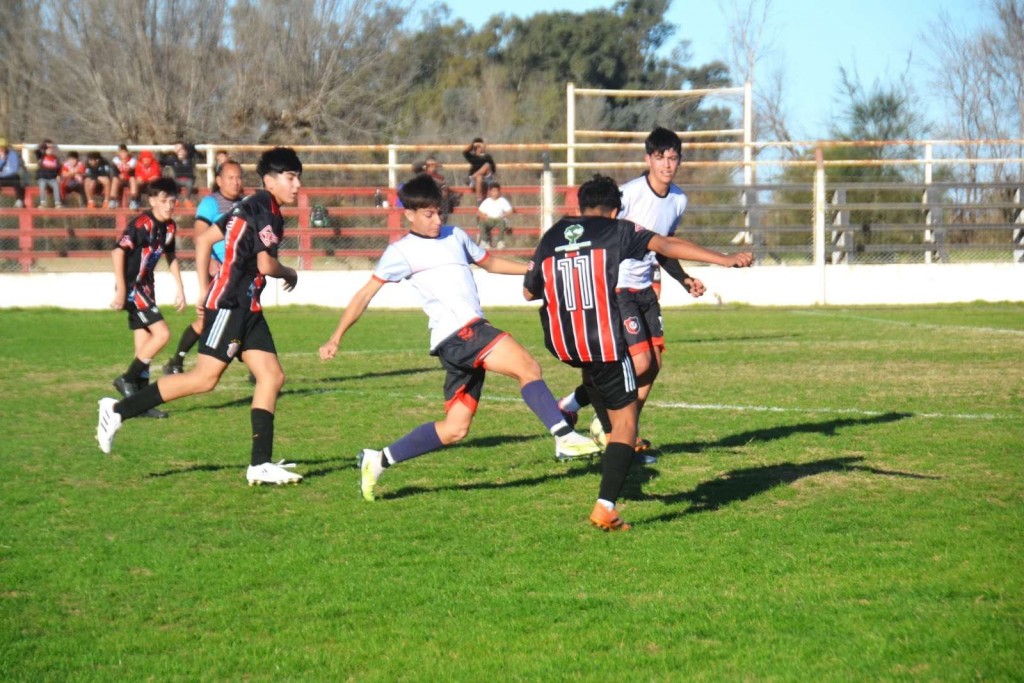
569 404
607 504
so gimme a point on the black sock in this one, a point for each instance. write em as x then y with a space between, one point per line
139 402
135 370
614 468
188 339
582 396
262 436
599 407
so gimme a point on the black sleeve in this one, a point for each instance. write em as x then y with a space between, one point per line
634 239
672 267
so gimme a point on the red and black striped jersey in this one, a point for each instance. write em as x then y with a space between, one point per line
144 241
254 225
574 271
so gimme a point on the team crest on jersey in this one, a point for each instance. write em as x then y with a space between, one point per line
125 243
572 234
268 237
632 325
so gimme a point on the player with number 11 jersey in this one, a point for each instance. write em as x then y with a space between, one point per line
575 269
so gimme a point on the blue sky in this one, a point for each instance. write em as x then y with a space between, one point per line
811 40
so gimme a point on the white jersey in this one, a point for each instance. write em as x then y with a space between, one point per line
658 214
495 208
438 268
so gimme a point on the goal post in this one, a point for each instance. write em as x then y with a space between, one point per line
573 136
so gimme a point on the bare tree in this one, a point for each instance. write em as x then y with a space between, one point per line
141 70
19 27
321 72
750 44
981 78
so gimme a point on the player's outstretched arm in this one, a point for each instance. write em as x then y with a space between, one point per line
120 288
271 267
691 284
677 248
352 313
503 266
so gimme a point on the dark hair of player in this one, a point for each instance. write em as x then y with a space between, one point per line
167 185
421 192
600 192
662 140
94 156
278 160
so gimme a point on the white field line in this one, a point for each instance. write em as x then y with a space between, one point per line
776 409
904 323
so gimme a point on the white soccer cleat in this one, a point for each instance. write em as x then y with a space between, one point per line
109 423
370 469
574 445
597 433
272 473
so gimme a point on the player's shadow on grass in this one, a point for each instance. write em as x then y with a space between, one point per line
743 484
588 468
827 428
311 391
350 463
190 469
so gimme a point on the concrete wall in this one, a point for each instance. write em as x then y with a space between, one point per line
758 286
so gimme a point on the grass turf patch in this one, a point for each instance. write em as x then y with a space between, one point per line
838 497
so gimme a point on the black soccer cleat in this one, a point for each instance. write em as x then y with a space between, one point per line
124 387
172 368
155 414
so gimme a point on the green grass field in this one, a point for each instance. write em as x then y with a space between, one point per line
839 497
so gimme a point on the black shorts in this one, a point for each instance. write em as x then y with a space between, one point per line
616 381
142 311
227 332
641 319
462 355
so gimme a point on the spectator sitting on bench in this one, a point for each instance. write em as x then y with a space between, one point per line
481 167
72 177
99 181
146 171
491 216
47 173
124 179
10 172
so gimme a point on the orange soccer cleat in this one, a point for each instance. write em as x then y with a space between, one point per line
606 519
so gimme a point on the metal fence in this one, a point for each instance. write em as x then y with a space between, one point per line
948 202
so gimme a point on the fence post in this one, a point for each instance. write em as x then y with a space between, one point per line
570 134
1018 230
392 167
25 239
211 165
929 235
819 222
305 235
547 194
842 237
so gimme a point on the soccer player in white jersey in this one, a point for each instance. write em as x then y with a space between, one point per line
652 201
436 260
